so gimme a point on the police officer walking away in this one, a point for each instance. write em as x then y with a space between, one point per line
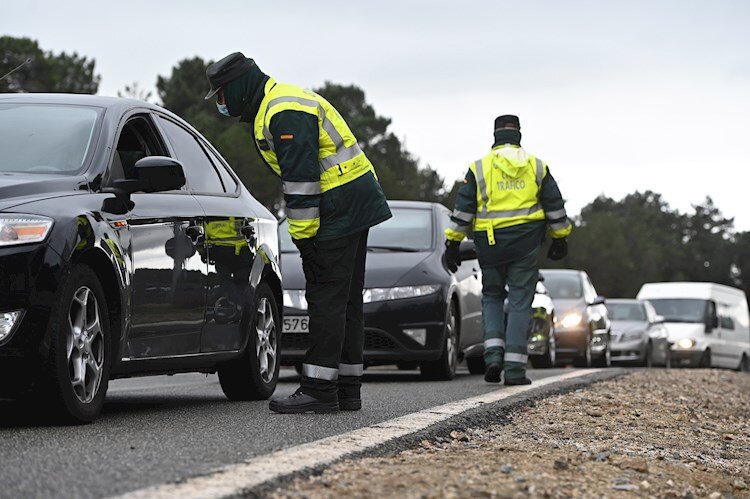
332 198
507 200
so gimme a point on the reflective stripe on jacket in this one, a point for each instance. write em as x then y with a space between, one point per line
339 158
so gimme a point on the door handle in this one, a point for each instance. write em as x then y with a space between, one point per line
195 233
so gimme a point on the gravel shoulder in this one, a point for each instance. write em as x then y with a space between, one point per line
653 433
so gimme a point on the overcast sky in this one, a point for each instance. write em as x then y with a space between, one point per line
615 96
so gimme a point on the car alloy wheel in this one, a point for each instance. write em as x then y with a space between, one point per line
266 347
451 339
552 348
85 345
444 368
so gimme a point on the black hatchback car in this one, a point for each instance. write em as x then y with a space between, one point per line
127 247
416 312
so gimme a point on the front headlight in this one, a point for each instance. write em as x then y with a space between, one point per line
571 320
386 294
686 343
21 229
295 298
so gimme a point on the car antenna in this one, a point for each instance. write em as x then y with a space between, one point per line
16 68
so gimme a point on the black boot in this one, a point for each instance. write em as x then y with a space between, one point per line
299 402
492 373
517 381
349 393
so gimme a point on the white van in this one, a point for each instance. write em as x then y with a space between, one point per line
708 323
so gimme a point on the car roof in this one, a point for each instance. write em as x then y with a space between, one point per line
119 104
411 204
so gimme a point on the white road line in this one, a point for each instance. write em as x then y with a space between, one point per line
233 479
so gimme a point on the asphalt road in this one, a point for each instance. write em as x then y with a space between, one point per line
164 428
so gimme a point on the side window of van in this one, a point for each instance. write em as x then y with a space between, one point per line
726 322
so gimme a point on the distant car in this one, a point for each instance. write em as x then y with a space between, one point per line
582 327
638 333
417 313
127 247
708 323
541 338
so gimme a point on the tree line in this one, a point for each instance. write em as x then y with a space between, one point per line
621 244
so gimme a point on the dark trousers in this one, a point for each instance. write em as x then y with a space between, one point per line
335 276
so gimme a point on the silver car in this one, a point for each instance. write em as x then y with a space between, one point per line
638 333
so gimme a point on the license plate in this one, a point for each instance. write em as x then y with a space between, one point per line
296 324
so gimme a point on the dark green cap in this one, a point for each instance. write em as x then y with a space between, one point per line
229 68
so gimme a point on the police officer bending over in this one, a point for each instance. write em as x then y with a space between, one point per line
507 200
332 198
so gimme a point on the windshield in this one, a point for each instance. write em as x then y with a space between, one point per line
409 230
45 138
626 311
563 286
681 309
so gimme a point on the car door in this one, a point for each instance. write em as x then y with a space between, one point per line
231 242
168 275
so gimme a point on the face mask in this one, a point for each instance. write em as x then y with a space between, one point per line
223 109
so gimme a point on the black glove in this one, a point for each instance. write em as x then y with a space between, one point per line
558 249
452 256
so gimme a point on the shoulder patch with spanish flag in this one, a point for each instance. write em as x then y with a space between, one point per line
286 136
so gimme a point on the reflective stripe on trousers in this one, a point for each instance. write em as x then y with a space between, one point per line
351 369
516 357
494 342
320 372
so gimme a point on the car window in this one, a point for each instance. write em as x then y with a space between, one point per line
563 286
230 185
410 229
199 171
45 139
682 309
626 312
137 140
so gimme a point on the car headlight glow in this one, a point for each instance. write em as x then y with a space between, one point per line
686 343
571 320
295 298
397 293
23 229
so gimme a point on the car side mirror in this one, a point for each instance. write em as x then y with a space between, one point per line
659 319
467 250
599 300
152 174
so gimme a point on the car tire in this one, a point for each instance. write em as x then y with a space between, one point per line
744 364
76 376
648 357
585 359
705 361
605 359
668 358
475 365
444 368
549 358
254 376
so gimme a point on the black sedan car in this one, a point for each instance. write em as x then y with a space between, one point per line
416 311
127 247
582 327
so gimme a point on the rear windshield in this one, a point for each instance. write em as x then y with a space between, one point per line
563 286
681 309
44 138
626 311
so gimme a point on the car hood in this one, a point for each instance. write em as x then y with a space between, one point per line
383 270
16 188
678 330
628 326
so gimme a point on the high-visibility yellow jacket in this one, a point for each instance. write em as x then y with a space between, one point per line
330 186
507 188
